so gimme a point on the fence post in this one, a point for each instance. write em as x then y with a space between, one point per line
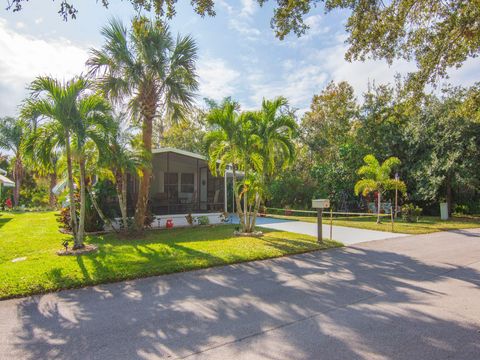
319 225
331 223
391 215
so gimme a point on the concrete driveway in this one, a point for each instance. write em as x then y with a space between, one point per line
346 235
405 298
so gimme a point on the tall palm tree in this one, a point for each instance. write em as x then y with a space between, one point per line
94 122
11 136
224 145
153 72
56 105
68 116
376 178
274 129
123 158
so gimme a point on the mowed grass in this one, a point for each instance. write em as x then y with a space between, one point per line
36 237
426 224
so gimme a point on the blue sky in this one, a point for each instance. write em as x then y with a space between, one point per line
238 53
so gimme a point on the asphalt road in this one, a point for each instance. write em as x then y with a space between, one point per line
405 298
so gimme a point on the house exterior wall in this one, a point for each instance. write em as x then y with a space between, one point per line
205 195
179 220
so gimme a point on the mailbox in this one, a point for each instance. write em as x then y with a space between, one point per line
321 204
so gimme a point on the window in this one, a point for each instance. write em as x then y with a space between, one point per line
171 185
187 185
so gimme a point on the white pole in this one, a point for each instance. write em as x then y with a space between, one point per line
225 193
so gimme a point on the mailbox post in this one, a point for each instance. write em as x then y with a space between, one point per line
320 204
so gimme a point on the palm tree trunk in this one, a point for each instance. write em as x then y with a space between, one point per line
99 210
73 213
379 206
18 180
144 190
237 200
122 198
258 200
81 224
53 181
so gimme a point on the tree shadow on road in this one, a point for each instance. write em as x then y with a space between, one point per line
346 303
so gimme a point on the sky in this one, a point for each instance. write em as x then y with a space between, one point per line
239 55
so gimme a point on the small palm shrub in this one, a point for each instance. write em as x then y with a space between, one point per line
411 213
203 220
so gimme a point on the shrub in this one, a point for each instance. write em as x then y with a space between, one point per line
203 220
461 209
411 213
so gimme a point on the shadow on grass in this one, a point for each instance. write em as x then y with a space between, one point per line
183 314
4 220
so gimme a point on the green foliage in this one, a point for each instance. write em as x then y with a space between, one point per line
461 209
411 213
151 72
444 146
203 220
256 143
187 134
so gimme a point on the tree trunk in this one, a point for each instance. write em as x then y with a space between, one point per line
379 206
448 186
144 189
100 213
18 170
81 224
258 200
122 198
237 200
71 195
53 181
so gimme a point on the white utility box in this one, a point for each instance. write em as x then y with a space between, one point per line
444 211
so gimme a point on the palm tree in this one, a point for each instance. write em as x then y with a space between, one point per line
376 178
155 73
94 122
224 145
67 118
123 158
11 136
274 130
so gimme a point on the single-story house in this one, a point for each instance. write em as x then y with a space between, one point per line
4 181
183 184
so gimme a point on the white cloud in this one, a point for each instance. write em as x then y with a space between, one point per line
20 25
25 57
359 74
249 7
217 79
316 27
242 19
248 31
38 20
226 6
298 82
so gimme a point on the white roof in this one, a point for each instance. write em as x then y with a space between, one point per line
180 152
6 181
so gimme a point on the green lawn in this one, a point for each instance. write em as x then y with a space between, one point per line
36 237
427 224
